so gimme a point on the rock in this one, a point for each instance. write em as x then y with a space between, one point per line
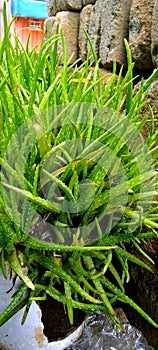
48 27
84 24
55 6
87 2
151 100
51 6
95 24
154 35
74 5
69 23
114 28
140 33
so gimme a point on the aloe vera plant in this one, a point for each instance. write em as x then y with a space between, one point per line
77 180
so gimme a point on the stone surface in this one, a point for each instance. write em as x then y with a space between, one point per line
84 24
154 35
95 24
87 2
114 28
140 33
69 24
55 6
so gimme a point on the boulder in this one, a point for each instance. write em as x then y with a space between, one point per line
114 28
69 23
51 6
87 2
55 6
154 35
95 24
84 24
140 33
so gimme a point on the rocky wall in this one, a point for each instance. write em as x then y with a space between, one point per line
108 22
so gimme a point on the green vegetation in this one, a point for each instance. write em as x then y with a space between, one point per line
78 184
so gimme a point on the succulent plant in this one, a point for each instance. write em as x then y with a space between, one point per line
78 182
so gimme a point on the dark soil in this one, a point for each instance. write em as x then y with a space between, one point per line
55 319
143 289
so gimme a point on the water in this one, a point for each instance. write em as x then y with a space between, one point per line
99 333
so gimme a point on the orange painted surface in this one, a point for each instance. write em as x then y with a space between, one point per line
26 27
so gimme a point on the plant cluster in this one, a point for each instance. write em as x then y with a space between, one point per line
58 232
